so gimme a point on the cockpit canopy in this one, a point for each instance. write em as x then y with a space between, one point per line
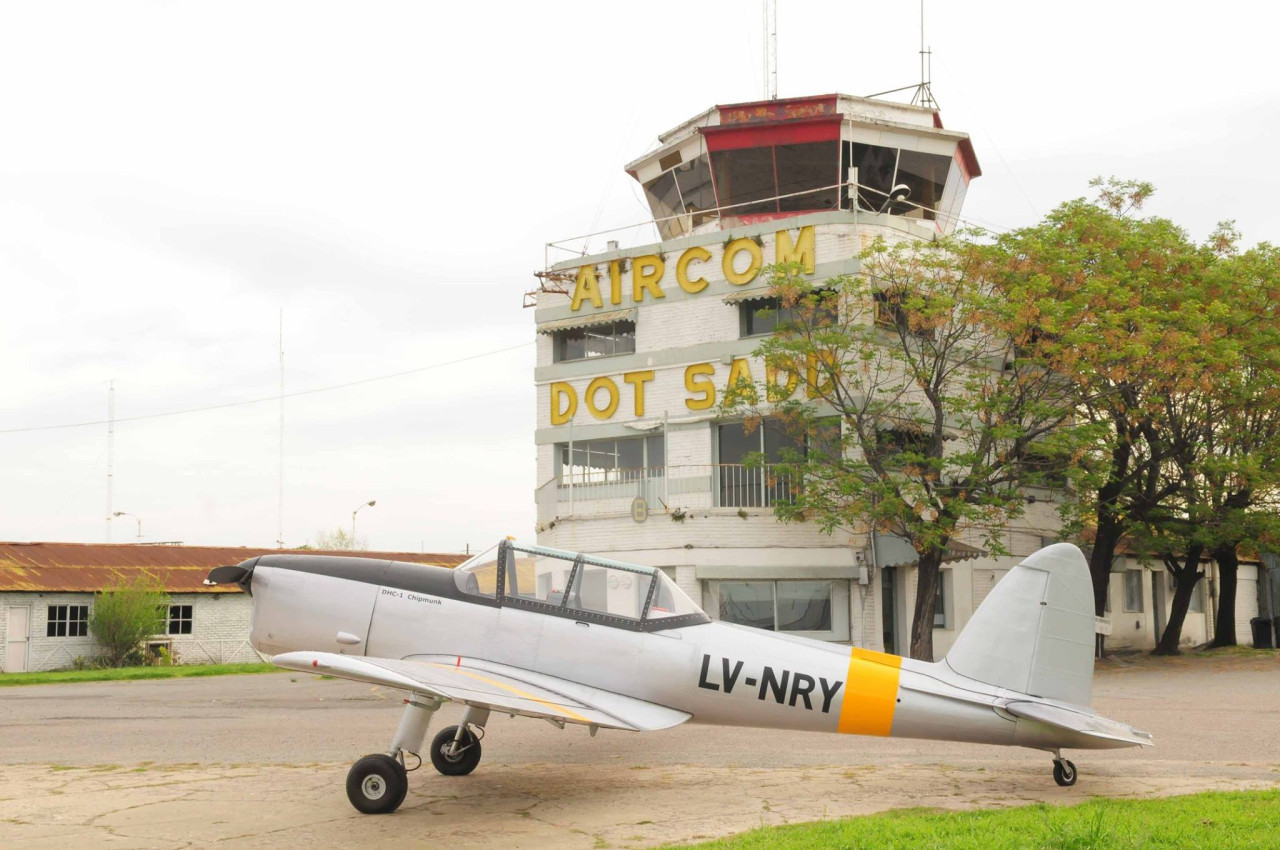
582 586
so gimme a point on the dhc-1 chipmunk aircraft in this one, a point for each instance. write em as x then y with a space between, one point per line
572 638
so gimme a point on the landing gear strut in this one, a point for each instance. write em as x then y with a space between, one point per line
377 783
1064 771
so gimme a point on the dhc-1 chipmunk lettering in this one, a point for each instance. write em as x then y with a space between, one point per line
577 639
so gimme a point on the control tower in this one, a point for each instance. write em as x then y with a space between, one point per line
636 345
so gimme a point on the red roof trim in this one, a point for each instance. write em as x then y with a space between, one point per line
763 111
798 132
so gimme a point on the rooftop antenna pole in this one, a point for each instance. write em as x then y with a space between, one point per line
111 442
770 49
280 483
924 92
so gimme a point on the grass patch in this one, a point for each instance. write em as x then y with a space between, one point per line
126 673
1219 820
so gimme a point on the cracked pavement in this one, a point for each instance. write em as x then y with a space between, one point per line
261 761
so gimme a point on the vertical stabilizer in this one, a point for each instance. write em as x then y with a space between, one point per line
1034 631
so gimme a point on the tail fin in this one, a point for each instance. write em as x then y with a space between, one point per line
1034 631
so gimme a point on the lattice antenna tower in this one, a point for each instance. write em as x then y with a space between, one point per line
771 49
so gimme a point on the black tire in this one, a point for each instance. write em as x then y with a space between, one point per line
1064 773
376 784
455 765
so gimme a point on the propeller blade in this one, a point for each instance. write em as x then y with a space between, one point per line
238 575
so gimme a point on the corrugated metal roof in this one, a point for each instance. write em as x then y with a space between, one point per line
90 567
587 320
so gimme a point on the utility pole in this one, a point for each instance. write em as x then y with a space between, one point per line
111 443
280 483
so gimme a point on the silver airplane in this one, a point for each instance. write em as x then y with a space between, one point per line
575 639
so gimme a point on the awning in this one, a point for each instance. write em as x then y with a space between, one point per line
587 320
893 551
748 295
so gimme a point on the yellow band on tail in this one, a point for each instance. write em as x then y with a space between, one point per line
870 693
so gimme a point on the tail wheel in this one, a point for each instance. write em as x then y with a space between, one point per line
377 784
1064 773
455 758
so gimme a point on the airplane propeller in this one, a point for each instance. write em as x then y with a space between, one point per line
238 575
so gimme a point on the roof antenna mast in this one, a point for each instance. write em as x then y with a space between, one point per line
771 49
924 91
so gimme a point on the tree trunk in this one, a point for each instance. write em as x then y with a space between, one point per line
1110 529
1224 627
928 575
1184 584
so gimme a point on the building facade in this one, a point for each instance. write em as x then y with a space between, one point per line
47 596
636 346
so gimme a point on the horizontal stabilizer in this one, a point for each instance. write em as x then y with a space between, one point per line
499 687
1076 721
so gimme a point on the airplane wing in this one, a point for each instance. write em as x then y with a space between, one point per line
1086 724
499 687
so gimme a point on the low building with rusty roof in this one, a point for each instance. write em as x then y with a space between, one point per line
47 592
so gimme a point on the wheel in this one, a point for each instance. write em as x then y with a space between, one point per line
377 784
1064 773
455 763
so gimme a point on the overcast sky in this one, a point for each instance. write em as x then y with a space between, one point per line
172 175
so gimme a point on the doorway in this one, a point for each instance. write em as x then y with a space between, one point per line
16 640
889 608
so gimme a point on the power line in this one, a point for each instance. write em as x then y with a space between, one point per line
275 398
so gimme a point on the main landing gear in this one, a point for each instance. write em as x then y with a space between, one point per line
1064 772
377 783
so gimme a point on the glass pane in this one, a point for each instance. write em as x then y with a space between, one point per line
694 180
777 442
940 605
664 201
739 486
479 576
602 590
631 456
926 175
1133 591
804 606
808 167
572 344
748 603
669 600
541 577
624 337
875 174
743 176
762 315
655 458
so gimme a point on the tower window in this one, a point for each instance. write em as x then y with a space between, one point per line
596 341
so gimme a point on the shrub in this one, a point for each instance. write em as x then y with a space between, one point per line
125 614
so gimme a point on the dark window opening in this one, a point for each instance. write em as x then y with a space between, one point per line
180 619
812 169
893 443
596 341
67 621
766 315
743 486
696 191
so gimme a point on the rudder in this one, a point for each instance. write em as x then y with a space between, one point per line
1034 633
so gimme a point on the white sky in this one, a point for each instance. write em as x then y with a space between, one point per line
174 174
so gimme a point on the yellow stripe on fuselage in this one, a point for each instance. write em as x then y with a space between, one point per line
870 693
560 709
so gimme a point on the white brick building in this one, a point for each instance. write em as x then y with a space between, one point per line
636 344
47 592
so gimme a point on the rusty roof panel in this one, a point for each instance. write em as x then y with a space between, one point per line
90 567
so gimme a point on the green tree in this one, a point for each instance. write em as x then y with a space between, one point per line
945 414
1124 318
339 540
127 613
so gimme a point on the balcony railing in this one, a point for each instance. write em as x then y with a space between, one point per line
601 492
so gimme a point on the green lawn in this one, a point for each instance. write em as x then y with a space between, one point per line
1212 820
181 671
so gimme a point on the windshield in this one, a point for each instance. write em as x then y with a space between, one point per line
555 580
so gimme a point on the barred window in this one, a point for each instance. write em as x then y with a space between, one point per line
67 621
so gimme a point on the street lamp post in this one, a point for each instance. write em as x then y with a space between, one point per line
134 518
367 504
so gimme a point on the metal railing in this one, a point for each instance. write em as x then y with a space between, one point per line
607 492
